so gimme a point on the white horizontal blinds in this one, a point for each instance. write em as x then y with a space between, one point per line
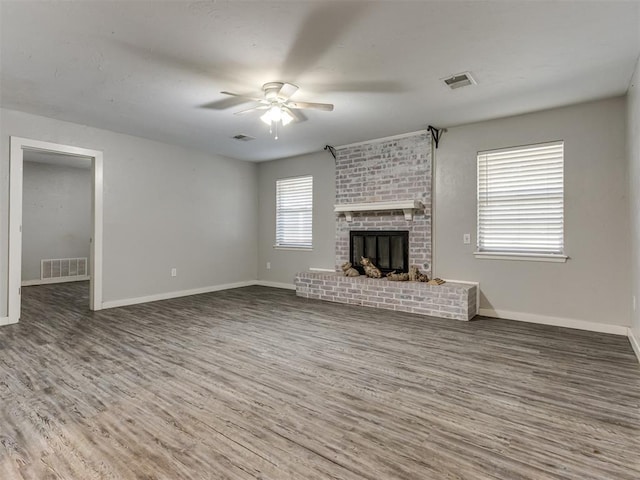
294 206
521 199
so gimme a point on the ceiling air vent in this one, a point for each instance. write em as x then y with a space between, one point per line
243 138
459 80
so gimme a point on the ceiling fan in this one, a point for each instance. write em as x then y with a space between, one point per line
279 108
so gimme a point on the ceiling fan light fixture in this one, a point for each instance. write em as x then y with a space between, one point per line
286 118
266 118
276 114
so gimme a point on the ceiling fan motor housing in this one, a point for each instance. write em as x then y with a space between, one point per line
271 90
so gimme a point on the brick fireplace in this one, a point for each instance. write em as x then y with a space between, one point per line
385 185
383 171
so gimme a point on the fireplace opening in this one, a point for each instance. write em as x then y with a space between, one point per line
387 249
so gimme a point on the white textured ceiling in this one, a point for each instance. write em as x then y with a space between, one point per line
151 68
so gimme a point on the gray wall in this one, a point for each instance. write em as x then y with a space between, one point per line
633 142
56 214
285 263
592 286
167 206
164 206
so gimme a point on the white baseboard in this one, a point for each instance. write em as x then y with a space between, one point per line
265 283
635 343
6 321
507 315
47 281
322 270
555 321
168 295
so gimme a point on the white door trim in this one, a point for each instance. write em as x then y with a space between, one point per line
16 162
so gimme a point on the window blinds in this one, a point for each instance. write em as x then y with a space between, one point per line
521 200
294 206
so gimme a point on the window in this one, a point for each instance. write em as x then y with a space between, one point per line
521 202
294 211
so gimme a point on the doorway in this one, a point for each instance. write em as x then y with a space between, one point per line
16 176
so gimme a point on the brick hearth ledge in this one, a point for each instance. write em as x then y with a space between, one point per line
449 300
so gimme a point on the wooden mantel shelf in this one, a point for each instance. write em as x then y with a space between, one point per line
407 206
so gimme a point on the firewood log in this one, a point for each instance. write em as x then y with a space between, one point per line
349 271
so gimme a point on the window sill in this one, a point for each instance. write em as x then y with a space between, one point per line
527 257
296 249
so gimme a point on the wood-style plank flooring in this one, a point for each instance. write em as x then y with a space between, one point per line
255 383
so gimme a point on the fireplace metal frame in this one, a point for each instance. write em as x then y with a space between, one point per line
376 256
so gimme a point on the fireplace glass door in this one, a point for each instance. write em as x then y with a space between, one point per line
387 249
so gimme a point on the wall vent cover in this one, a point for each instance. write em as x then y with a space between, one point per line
458 80
243 138
63 268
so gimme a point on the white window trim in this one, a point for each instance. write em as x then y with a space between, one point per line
528 257
522 256
293 247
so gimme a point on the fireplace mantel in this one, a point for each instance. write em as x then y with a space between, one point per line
407 206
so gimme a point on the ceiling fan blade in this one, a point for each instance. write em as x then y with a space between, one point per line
252 109
234 100
225 103
362 86
327 107
255 99
287 90
297 115
325 25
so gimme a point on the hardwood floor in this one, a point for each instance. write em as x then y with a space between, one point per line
255 383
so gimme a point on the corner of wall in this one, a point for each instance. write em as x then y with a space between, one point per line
633 158
634 339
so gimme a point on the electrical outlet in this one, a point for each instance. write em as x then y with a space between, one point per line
466 238
634 303
174 272
268 265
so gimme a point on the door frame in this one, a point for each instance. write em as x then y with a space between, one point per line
16 163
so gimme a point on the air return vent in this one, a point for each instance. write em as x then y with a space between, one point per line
63 268
243 138
458 80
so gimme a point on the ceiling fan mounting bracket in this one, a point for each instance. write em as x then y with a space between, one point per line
273 91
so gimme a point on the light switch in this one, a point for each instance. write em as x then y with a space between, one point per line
467 238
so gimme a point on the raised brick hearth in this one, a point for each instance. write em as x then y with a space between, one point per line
449 300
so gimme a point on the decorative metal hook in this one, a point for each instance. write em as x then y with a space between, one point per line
436 133
332 150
